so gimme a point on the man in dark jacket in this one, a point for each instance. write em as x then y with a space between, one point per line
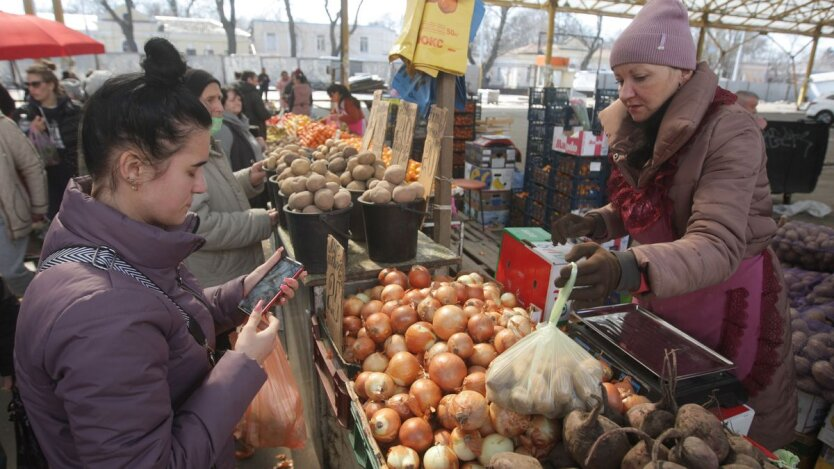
263 82
253 105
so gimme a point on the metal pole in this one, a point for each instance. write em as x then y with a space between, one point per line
804 90
702 36
345 44
442 186
29 7
548 51
59 11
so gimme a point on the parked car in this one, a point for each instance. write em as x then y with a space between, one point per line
821 110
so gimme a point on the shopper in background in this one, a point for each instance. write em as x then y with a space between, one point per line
23 200
253 105
263 82
112 371
346 109
750 101
689 184
301 94
50 118
282 87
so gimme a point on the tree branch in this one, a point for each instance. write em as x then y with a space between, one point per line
356 17
113 14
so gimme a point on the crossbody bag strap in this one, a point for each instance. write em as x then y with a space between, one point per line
105 258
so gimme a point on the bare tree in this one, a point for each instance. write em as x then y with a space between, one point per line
229 23
336 46
496 41
592 43
125 22
174 8
291 23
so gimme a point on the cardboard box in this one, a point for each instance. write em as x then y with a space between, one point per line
493 219
826 459
492 151
826 434
807 447
738 419
811 412
579 142
495 179
492 200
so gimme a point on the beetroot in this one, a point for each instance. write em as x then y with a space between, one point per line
655 418
638 456
581 431
694 420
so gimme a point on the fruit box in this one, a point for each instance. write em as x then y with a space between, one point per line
495 179
811 411
579 142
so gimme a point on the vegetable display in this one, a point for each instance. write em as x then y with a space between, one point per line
805 245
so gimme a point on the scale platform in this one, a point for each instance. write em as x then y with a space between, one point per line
632 340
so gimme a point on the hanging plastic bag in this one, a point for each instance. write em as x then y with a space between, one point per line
546 372
443 41
275 418
406 44
46 148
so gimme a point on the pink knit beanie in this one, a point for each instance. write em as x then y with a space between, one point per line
658 35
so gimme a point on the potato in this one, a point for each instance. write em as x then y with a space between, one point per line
330 177
292 147
380 195
333 186
311 209
341 199
300 200
337 165
286 173
395 174
323 199
300 167
352 163
356 186
315 182
404 194
362 172
317 155
299 184
286 186
345 179
333 155
823 372
281 167
419 189
372 183
379 171
270 163
350 151
290 157
319 167
366 157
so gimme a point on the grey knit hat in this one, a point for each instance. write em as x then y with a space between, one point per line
658 35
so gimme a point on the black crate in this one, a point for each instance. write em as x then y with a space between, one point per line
562 203
538 147
579 186
549 95
582 166
536 114
558 113
602 99
539 132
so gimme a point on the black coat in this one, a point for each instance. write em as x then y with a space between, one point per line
254 107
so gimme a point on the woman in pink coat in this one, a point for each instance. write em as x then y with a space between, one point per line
114 342
689 185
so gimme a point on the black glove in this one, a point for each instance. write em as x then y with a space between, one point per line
599 274
571 226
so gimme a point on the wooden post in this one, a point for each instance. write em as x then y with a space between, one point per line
443 188
804 90
59 11
702 36
345 44
29 7
548 54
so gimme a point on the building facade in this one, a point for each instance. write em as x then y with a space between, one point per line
367 43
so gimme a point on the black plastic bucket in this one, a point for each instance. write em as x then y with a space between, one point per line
357 217
391 230
309 231
271 186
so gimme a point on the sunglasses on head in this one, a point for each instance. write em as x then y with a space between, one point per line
32 84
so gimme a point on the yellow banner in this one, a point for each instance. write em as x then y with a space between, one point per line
406 44
444 37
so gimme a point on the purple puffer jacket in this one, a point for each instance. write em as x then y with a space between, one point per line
108 372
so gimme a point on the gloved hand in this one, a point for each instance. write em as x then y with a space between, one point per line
599 273
571 226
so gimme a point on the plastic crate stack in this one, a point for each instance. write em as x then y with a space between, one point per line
602 99
566 183
464 131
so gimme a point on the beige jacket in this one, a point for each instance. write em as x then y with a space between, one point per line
22 180
232 229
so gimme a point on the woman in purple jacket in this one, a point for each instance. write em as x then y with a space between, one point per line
110 368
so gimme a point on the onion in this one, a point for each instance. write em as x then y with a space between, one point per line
470 311
486 428
543 434
484 355
392 292
362 333
607 372
416 433
370 408
403 368
385 425
480 327
509 300
475 382
394 344
402 404
347 353
352 306
402 457
475 369
492 293
395 277
477 277
378 326
466 445
465 279
413 297
369 308
351 325
625 387
440 457
460 291
399 390
376 292
492 445
506 422
436 349
447 370
363 348
379 386
495 316
615 401
359 384
376 361
389 306
442 279
444 413
448 320
633 400
442 437
427 393
403 317
382 273
427 307
520 325
460 343
419 337
504 340
470 410
475 302
471 465
446 295
419 277
475 291
363 297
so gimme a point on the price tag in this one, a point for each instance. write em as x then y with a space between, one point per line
334 290
596 166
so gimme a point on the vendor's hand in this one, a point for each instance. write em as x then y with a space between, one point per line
256 344
257 175
38 124
571 226
599 273
289 287
273 216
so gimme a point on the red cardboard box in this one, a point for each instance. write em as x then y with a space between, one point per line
579 142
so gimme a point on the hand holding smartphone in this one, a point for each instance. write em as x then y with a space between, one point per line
268 288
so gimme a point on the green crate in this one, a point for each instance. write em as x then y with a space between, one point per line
365 449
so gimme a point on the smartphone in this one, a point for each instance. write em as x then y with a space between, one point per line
269 288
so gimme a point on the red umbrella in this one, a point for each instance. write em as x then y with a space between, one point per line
31 37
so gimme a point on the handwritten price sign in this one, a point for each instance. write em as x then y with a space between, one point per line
334 290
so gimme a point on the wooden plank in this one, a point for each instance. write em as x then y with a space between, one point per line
380 126
431 152
404 133
369 131
334 286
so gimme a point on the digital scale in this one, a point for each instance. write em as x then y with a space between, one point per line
632 340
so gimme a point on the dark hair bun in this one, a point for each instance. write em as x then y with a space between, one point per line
163 63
